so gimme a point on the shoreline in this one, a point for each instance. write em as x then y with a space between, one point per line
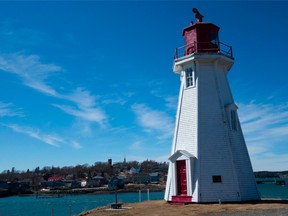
95 190
262 207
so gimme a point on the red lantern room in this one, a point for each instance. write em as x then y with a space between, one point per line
201 37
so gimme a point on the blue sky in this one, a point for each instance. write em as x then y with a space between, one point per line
82 82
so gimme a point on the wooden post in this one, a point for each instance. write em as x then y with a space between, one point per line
139 195
52 212
148 194
116 196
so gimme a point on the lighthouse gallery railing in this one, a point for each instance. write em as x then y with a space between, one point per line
204 47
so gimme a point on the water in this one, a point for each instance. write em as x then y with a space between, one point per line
30 206
273 191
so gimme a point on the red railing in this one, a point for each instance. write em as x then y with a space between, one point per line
203 47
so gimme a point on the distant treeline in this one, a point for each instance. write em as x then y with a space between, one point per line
105 169
269 174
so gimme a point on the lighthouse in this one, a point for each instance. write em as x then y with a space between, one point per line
209 160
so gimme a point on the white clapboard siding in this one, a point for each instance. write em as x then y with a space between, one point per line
203 130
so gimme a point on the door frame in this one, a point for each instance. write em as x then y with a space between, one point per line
190 160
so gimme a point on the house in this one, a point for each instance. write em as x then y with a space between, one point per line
83 183
72 184
55 178
115 183
135 170
154 177
97 181
54 182
141 178
100 179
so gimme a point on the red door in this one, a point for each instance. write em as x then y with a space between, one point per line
181 177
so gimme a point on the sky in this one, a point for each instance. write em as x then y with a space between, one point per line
85 81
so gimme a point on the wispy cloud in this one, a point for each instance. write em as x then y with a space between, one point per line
8 109
50 139
76 145
263 116
136 146
29 68
87 114
154 120
114 101
171 102
270 162
47 138
265 127
86 109
36 75
81 97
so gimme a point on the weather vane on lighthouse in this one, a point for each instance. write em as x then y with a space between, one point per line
198 16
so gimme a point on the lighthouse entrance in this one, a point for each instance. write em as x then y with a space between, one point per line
181 177
182 185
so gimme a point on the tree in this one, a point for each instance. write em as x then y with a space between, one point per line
46 176
148 166
37 170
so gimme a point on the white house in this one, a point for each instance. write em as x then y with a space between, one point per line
209 160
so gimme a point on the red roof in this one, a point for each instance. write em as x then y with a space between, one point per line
55 178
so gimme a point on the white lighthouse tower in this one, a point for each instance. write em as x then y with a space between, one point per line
209 160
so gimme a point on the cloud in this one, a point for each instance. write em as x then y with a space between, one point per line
36 75
81 97
86 106
263 116
50 139
171 102
264 122
270 162
136 146
119 101
8 110
29 68
76 145
265 127
87 114
154 120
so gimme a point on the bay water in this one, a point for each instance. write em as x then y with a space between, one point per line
72 205
68 205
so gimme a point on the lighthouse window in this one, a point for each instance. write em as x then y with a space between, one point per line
233 120
217 179
189 77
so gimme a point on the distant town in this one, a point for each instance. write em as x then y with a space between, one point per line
101 177
97 178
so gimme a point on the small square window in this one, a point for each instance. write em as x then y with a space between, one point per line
217 179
